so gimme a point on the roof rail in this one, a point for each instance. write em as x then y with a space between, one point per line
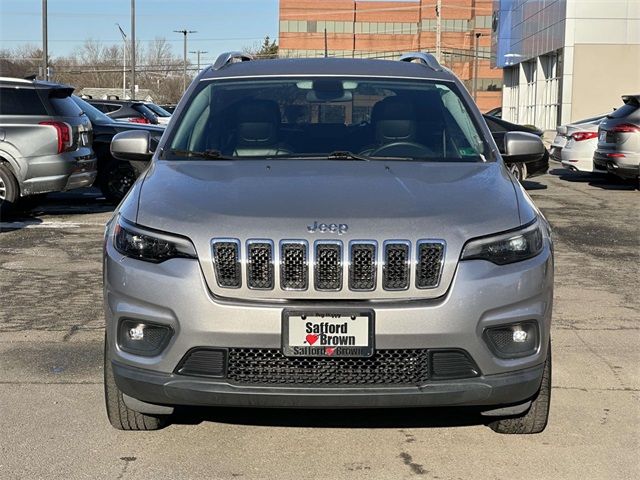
231 57
427 59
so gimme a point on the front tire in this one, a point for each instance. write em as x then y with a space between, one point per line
116 180
535 419
9 190
120 416
518 170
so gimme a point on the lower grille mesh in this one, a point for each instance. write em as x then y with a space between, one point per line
270 367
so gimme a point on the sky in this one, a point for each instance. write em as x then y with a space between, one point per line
221 25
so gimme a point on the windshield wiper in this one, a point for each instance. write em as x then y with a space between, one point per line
346 155
210 154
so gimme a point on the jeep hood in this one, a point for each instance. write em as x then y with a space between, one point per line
247 199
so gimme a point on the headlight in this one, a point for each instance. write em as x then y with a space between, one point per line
148 245
508 247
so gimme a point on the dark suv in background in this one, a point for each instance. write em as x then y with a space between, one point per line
125 110
114 177
45 141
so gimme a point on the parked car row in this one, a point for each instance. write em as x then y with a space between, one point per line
602 144
51 140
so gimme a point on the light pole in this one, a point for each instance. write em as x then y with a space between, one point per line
475 67
45 42
124 61
185 32
198 52
133 49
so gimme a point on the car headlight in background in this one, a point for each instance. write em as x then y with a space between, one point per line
149 245
507 247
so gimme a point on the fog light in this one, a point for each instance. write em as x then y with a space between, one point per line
519 336
513 340
137 332
143 338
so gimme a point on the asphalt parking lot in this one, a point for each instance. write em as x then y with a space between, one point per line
53 423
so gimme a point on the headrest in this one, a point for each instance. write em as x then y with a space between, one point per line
394 120
258 122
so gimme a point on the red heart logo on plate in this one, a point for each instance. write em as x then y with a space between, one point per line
311 339
330 350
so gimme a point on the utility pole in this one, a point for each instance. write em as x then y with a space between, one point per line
124 61
133 49
184 32
439 30
326 44
475 66
198 52
45 42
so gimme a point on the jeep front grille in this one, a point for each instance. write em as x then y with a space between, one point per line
260 264
294 266
395 272
362 270
226 258
299 267
429 264
328 267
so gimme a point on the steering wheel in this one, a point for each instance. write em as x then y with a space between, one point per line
402 149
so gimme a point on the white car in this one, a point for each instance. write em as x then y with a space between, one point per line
575 143
161 113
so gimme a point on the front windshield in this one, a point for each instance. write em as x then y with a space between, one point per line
327 117
95 115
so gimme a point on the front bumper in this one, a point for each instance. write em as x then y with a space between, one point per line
171 389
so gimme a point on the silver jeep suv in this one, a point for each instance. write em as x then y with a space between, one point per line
328 233
45 141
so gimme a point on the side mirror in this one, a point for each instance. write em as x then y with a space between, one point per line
522 147
133 145
562 130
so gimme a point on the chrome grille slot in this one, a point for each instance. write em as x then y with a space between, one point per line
260 264
226 261
328 266
294 268
395 273
429 263
362 268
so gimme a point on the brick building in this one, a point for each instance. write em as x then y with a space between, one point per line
386 29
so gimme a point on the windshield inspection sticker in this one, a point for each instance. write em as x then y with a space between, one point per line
328 334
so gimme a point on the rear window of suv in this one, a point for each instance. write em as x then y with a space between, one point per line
319 116
65 107
20 101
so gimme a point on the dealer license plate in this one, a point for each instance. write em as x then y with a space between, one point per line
335 333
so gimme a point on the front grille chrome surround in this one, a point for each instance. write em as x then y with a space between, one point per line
363 265
429 263
259 262
225 253
294 265
396 265
328 265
